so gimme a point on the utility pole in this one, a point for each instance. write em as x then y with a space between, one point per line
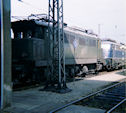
56 57
99 29
5 55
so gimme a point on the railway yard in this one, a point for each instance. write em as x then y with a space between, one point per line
83 98
51 64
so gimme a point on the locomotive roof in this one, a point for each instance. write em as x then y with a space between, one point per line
73 30
30 24
25 24
121 46
110 42
22 25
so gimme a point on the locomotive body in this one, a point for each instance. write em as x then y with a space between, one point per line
80 47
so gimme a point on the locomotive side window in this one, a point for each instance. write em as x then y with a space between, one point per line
117 47
82 41
118 51
27 34
43 32
39 32
92 42
21 34
17 35
12 34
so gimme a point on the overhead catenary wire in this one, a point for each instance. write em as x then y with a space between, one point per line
13 18
18 17
32 15
43 10
29 4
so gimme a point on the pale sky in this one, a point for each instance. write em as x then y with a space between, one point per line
110 14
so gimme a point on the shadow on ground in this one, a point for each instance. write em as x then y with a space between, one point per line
123 72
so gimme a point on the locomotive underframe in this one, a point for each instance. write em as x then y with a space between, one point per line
113 63
27 72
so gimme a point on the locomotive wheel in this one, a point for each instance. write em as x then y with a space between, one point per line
108 68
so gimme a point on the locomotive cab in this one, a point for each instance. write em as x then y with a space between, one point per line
28 47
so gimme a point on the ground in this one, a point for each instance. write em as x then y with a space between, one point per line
35 101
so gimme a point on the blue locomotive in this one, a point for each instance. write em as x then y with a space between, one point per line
113 54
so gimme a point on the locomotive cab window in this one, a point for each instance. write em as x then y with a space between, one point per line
39 32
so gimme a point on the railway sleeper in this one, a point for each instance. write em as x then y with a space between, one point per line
109 93
110 98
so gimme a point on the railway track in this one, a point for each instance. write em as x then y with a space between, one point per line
108 99
119 107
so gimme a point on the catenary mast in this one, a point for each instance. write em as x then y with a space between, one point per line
56 57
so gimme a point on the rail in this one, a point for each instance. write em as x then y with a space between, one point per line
112 109
88 96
